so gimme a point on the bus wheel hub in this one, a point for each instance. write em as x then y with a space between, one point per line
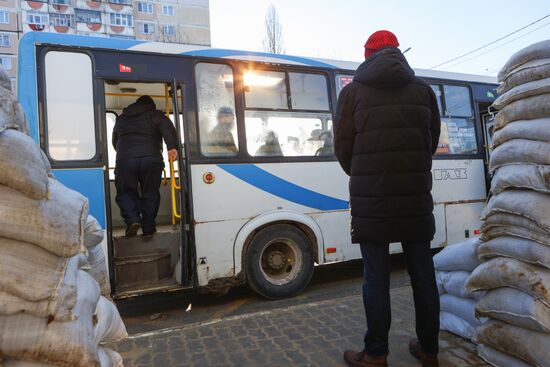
276 260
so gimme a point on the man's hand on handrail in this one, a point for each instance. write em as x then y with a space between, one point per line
172 155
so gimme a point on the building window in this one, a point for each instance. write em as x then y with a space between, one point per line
168 10
121 19
122 2
5 40
88 16
147 28
5 62
122 37
37 18
145 7
4 17
64 20
169 30
60 2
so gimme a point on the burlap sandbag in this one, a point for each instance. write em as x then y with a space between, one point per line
515 308
529 89
109 327
538 129
56 225
536 51
507 220
11 113
516 248
530 346
524 203
497 358
530 108
59 306
93 233
109 358
504 272
17 363
488 233
520 151
21 165
528 72
458 256
67 344
521 176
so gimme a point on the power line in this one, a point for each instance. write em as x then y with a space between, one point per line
499 46
491 43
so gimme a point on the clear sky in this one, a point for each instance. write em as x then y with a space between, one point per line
437 31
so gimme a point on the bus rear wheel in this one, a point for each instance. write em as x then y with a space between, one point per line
279 262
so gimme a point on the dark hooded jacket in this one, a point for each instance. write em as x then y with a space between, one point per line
387 128
139 131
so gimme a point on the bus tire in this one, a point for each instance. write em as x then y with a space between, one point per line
279 261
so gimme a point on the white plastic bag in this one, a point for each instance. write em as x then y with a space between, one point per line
458 256
93 233
109 358
109 327
457 326
21 165
465 308
57 224
454 282
98 269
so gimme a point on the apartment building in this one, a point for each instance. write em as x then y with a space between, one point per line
175 21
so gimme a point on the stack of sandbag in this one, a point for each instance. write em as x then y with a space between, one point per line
453 266
516 221
51 310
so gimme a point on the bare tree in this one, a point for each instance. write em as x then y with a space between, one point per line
273 38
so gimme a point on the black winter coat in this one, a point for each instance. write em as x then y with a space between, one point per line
139 131
387 128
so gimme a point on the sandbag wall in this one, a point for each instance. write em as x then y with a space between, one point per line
54 306
453 266
516 221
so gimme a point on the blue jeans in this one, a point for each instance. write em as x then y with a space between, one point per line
376 295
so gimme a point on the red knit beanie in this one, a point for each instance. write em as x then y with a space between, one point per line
378 40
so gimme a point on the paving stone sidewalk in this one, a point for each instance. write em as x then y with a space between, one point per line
313 334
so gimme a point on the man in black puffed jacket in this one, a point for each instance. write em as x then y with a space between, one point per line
137 139
387 128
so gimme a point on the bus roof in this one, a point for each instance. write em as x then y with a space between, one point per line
32 38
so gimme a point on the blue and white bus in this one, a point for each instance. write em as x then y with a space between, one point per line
252 215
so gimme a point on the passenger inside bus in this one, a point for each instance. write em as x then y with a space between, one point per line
328 144
220 138
137 139
271 146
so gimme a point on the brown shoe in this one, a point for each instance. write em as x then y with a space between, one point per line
362 359
427 360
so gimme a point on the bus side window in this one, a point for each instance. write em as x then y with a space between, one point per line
216 109
295 126
458 134
70 120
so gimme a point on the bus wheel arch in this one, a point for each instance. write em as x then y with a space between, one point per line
300 230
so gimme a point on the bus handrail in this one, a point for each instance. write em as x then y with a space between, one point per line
173 188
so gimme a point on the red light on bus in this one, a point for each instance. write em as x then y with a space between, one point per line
331 250
124 69
477 232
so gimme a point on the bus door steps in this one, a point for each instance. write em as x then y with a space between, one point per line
142 269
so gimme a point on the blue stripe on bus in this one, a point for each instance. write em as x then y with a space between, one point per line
265 181
89 182
218 52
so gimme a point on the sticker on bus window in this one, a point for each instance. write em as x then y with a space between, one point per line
124 69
